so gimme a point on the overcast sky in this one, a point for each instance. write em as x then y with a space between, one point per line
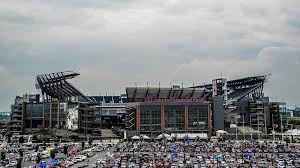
116 43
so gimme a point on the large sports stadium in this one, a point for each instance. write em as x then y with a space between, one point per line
148 110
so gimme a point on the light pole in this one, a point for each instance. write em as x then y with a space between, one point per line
244 127
273 128
258 126
236 129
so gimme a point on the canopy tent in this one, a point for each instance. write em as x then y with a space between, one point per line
145 137
173 155
221 132
219 157
162 136
169 139
189 141
292 132
135 137
189 135
173 147
43 164
54 162
248 155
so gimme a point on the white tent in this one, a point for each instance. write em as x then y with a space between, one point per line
292 132
220 132
190 135
161 136
135 137
145 137
169 139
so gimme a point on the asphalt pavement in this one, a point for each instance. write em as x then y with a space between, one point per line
91 161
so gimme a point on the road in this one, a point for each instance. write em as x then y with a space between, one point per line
91 161
32 163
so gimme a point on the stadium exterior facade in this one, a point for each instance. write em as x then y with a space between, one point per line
167 110
149 110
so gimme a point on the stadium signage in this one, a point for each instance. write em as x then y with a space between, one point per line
170 100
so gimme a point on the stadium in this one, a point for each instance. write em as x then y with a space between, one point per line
147 110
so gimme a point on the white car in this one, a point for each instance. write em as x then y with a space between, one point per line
12 163
69 163
80 158
181 164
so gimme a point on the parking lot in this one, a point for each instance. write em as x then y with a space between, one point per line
161 153
201 154
76 157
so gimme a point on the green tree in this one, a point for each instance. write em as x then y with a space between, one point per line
3 155
52 153
8 138
34 138
294 121
287 139
82 145
66 150
36 148
44 145
21 153
19 163
90 142
38 159
21 139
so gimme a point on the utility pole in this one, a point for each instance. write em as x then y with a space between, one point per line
31 119
251 126
244 126
236 136
273 128
265 119
258 126
281 128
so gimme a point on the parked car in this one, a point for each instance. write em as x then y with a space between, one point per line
11 163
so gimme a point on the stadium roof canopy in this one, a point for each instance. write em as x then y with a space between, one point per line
240 83
239 88
139 94
56 85
108 99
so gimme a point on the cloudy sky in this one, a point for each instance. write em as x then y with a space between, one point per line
117 43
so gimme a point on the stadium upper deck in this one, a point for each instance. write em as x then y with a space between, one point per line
56 85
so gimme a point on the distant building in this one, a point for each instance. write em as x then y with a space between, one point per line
4 119
296 112
289 113
4 116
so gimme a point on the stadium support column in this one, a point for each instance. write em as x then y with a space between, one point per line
218 113
44 115
58 111
138 120
209 120
186 117
50 117
162 118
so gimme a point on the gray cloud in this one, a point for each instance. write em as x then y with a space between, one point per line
117 43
